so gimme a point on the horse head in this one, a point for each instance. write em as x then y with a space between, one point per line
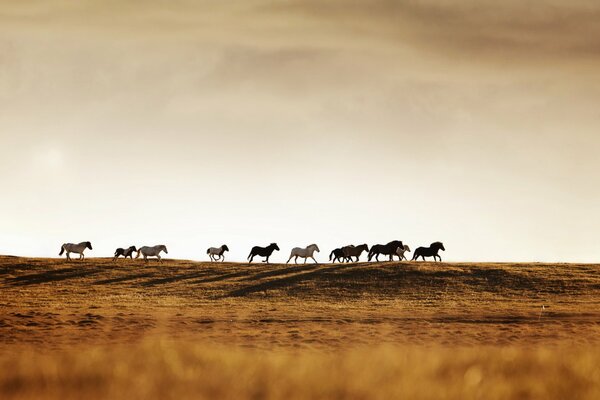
224 248
88 245
406 248
132 248
274 246
438 245
314 246
164 248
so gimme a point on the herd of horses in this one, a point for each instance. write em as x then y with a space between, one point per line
392 249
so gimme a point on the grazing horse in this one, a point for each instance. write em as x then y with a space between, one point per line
217 253
263 252
385 249
336 255
431 251
354 251
401 250
75 248
304 253
124 252
153 251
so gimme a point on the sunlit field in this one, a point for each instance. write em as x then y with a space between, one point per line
182 329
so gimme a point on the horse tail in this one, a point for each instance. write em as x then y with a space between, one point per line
249 255
207 251
138 253
331 255
416 254
62 250
116 251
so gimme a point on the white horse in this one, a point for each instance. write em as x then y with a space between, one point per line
217 253
304 253
75 248
153 251
401 250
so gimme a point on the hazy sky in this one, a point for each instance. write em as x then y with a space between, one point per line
198 123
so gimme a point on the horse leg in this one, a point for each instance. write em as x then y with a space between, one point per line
289 259
251 258
314 259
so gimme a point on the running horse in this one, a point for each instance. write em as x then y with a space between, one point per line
217 253
262 252
401 250
128 252
354 251
153 251
304 253
385 249
336 255
78 248
431 251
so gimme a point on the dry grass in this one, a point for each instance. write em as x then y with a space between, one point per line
382 330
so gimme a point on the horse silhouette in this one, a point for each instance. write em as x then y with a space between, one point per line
354 251
262 252
128 252
431 251
337 255
385 249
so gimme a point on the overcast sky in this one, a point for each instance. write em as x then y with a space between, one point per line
198 123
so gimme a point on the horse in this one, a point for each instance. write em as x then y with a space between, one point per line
263 252
385 249
75 248
401 250
336 255
124 252
354 251
153 251
217 253
304 253
431 251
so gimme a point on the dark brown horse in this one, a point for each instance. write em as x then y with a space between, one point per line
263 252
431 251
354 251
124 252
385 249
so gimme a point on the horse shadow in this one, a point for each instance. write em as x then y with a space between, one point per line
176 278
284 282
52 276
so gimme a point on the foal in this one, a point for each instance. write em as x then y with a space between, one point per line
128 252
217 253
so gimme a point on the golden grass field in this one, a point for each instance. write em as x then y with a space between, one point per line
183 329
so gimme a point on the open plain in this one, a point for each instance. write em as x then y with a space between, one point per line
183 329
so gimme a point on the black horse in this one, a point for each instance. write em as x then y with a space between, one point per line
337 255
385 249
431 251
124 252
263 252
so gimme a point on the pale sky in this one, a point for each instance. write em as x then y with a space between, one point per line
198 123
